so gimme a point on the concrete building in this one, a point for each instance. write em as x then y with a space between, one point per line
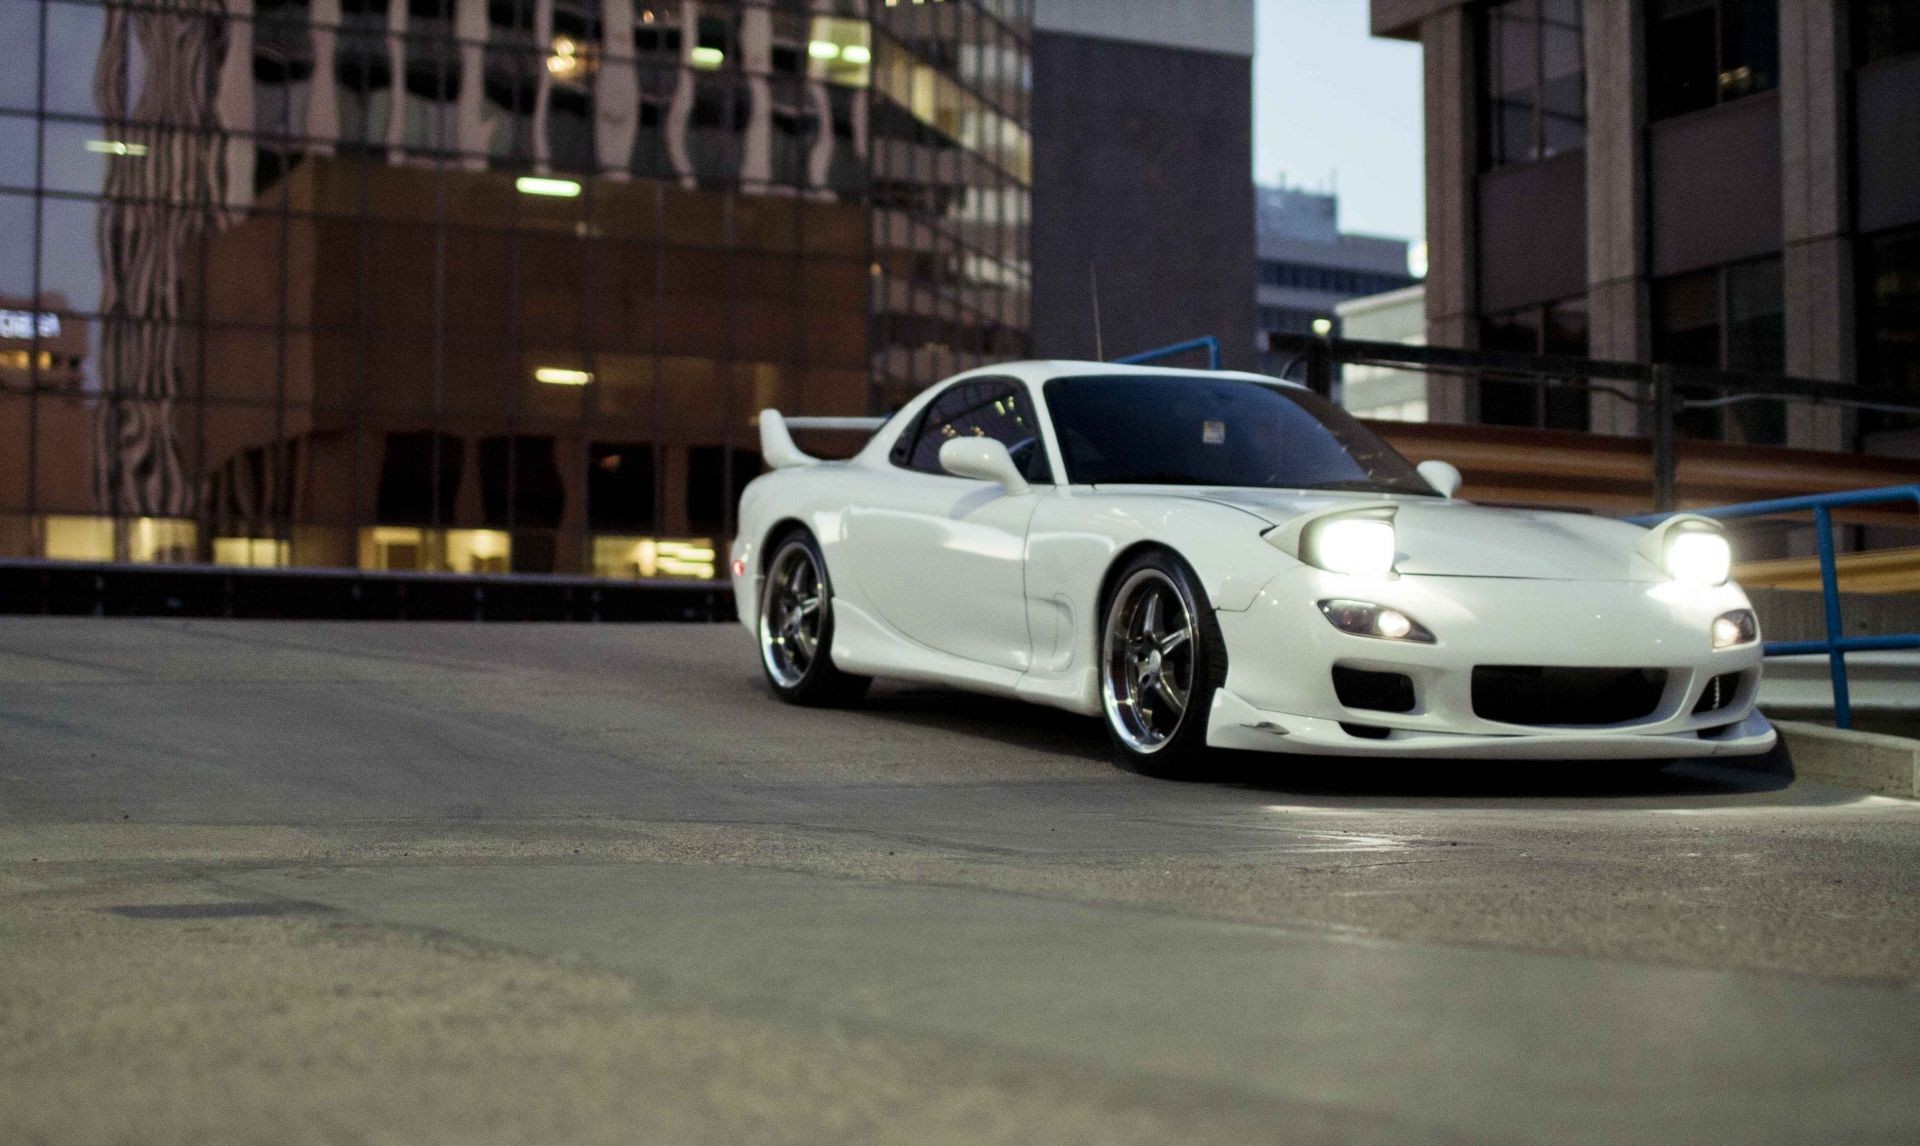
1724 183
1142 123
1308 266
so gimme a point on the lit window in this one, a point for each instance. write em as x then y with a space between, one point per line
160 539
79 538
394 548
479 551
146 540
252 552
1707 52
631 558
840 51
409 549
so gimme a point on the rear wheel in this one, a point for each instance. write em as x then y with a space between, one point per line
796 628
1161 658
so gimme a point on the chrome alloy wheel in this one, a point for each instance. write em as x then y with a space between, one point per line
790 615
1147 666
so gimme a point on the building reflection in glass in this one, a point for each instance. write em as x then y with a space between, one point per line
479 285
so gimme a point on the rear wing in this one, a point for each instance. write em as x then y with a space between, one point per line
776 443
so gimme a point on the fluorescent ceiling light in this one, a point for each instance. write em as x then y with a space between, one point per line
823 50
556 188
561 376
705 57
856 54
115 147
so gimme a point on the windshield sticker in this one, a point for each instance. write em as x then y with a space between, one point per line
1213 433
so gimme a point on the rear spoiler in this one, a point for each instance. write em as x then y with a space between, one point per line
776 444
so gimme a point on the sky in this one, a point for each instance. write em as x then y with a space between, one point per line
1329 101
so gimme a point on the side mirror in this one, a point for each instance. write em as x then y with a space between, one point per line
1441 476
983 459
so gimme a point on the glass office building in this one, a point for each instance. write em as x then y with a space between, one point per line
478 285
952 176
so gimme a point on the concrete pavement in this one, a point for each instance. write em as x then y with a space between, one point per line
423 882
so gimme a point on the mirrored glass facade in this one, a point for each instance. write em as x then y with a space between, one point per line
478 285
952 173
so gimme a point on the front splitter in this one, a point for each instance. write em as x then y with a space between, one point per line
1235 724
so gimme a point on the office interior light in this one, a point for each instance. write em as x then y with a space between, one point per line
116 147
570 60
705 57
561 376
553 188
823 49
857 54
28 324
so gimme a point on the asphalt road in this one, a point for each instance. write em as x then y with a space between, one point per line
363 882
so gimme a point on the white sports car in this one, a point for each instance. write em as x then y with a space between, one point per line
1223 559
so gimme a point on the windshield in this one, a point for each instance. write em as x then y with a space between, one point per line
1200 430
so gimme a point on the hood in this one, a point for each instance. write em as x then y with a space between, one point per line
1442 538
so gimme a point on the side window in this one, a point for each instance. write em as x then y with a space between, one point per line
998 410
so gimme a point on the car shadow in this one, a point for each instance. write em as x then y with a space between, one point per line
1012 722
1702 783
1696 782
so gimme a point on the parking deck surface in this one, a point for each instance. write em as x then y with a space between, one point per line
436 882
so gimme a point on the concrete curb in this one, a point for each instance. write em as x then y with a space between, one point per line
1888 765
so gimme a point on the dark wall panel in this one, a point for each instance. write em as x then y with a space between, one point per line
1716 186
1888 102
1401 18
1143 161
1533 233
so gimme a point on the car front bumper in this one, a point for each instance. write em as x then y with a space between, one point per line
1279 695
1238 725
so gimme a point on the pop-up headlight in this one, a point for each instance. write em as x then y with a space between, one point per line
1365 619
1362 546
1698 557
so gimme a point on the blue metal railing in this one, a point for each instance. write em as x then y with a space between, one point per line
1210 344
1837 645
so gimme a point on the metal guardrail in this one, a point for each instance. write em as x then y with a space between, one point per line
1664 391
74 588
1879 571
1210 344
1837 644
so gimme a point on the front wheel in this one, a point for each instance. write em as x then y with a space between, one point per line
796 628
1161 658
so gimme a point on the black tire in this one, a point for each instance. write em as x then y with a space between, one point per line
795 627
1158 675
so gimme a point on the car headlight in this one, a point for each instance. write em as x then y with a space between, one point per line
1365 619
1739 627
1362 546
1699 557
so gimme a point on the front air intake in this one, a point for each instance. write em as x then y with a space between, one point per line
1374 691
1718 694
1566 697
